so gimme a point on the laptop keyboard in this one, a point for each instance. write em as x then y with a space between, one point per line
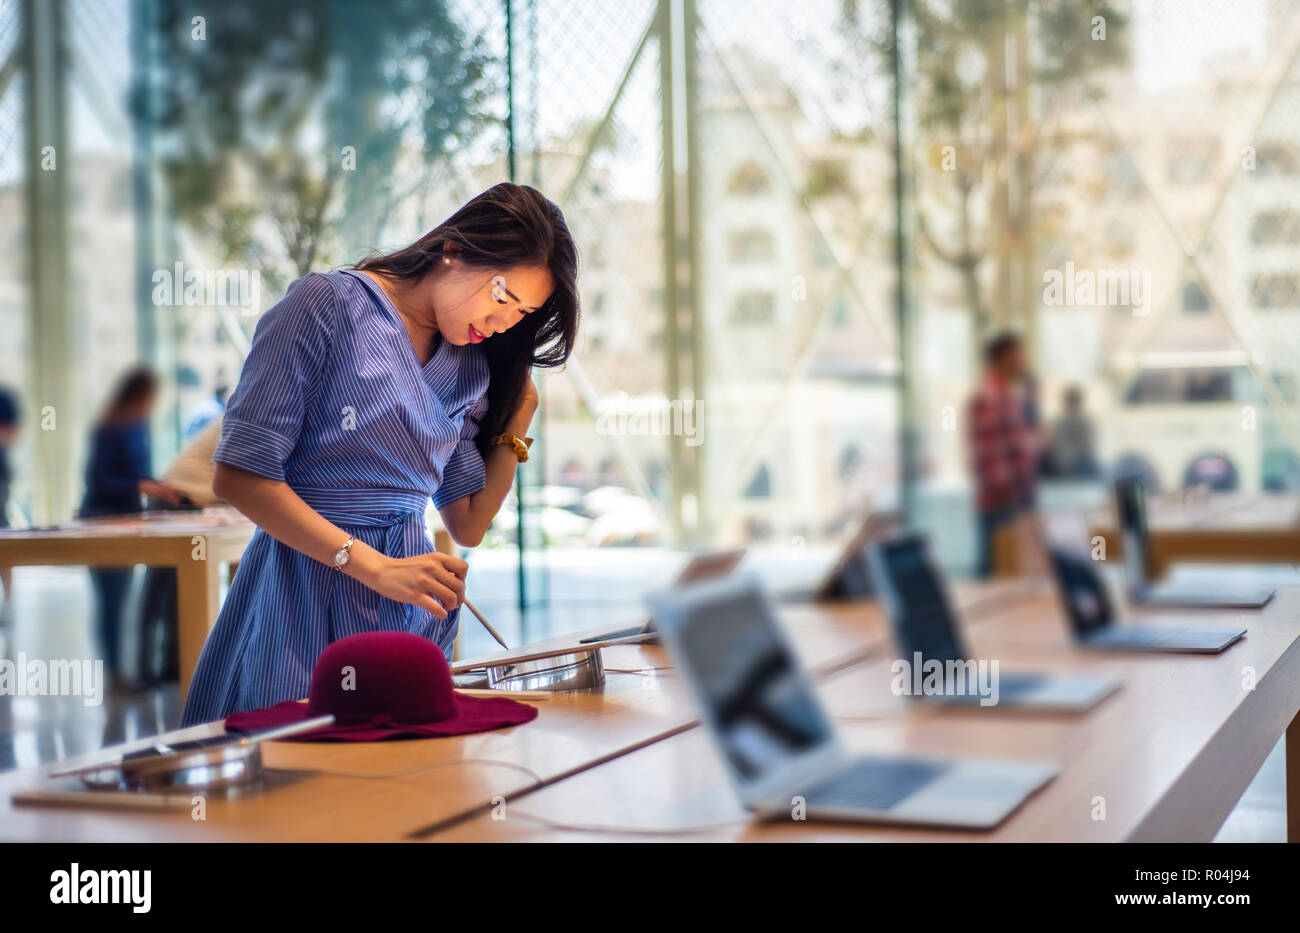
1174 638
875 783
1011 687
1198 596
1014 686
1134 635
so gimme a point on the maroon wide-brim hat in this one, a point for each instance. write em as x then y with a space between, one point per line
385 685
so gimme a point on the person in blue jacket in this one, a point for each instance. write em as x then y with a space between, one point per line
10 417
366 391
117 477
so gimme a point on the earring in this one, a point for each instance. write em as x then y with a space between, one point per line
446 260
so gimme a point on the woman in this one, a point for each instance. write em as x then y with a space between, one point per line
366 391
117 475
9 418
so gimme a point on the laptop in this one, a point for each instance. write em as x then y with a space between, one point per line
849 577
1092 615
926 629
777 742
700 567
1130 503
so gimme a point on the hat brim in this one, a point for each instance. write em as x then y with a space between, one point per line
474 714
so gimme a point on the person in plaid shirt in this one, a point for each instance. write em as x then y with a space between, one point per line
1003 444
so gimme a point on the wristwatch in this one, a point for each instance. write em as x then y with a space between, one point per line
519 444
344 554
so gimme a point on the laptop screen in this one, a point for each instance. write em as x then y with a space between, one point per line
1131 506
706 566
1131 501
850 577
918 606
762 707
852 580
1087 601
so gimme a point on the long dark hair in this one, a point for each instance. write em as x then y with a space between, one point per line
135 385
507 225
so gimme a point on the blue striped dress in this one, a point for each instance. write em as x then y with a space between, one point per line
333 401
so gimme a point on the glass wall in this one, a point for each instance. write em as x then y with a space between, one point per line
1114 181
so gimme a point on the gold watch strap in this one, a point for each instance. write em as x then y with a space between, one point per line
519 444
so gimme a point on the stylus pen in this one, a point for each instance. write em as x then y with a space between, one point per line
486 624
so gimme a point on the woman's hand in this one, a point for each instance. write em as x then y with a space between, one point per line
159 490
424 580
432 581
523 416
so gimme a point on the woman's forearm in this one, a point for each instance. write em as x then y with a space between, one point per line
279 511
468 518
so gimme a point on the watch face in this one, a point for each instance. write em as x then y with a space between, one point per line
340 557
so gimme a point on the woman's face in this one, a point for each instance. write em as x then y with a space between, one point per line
140 409
472 303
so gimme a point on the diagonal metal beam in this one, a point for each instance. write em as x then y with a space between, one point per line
573 368
802 359
789 174
608 117
1286 414
1144 338
9 69
591 398
808 343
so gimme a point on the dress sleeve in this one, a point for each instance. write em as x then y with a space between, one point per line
465 472
279 380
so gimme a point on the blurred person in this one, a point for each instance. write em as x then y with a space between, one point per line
1003 448
1072 447
1206 385
191 474
1028 386
1041 432
117 476
206 411
367 390
9 419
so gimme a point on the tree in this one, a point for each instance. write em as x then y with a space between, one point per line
990 75
287 128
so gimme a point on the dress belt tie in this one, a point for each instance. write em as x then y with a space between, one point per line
389 509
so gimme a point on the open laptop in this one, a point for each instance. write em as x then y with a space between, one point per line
1091 613
926 627
777 742
849 577
1131 507
700 567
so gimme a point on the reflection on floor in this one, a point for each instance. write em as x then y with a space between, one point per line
52 607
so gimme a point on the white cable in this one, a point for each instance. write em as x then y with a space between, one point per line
537 778
627 830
